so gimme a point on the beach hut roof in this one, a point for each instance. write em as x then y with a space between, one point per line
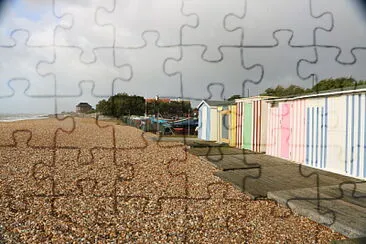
254 98
212 103
83 104
337 92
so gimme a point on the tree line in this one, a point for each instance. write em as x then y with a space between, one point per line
123 104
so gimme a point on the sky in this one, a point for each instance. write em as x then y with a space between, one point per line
53 56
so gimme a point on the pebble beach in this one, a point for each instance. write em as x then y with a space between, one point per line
78 180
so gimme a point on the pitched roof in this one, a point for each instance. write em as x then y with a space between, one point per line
213 103
83 104
255 98
219 103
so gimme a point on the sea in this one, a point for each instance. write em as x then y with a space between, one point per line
17 117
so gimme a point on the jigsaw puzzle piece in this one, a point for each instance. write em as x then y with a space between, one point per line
262 18
37 128
212 73
346 15
93 217
97 178
124 139
163 16
216 91
102 72
86 93
16 214
84 33
210 31
325 65
275 73
149 56
18 97
26 59
37 19
202 169
139 226
218 218
169 181
17 167
75 139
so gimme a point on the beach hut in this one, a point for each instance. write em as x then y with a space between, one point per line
251 123
286 129
325 131
208 119
226 123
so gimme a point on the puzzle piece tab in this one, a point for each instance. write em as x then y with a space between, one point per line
19 96
38 19
26 59
210 31
213 72
325 65
263 18
163 16
276 73
225 224
347 15
17 163
102 71
149 56
84 33
72 177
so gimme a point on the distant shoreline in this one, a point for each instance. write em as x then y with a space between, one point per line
8 118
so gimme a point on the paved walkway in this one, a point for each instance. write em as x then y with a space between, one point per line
330 199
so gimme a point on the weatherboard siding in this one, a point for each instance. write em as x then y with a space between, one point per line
248 126
239 123
277 142
316 132
285 110
213 125
232 125
327 132
252 124
336 133
200 124
285 133
204 122
355 139
297 131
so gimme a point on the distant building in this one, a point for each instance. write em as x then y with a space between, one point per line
83 108
165 100
162 100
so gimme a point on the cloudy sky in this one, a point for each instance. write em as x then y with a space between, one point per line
57 53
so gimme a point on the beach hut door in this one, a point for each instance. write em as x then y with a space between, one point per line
248 126
285 130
